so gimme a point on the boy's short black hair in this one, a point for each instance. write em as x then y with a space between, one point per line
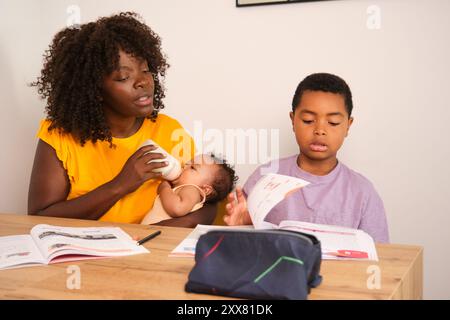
325 82
223 182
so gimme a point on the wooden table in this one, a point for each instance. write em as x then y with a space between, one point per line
156 276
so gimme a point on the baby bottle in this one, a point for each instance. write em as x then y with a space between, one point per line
173 169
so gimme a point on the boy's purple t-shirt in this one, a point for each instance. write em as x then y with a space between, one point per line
343 198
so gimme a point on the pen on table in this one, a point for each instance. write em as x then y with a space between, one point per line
149 237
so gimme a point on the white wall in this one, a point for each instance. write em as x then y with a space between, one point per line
237 68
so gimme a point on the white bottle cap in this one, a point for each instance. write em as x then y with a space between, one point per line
172 170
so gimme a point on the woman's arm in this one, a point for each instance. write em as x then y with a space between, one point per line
205 215
50 185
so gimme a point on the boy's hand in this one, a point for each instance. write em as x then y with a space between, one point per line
237 213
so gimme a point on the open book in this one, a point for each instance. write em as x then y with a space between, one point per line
48 244
336 242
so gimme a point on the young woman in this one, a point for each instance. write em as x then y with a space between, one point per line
102 85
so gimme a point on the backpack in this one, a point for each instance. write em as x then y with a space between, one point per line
256 264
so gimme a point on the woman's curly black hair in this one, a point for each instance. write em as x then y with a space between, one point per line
76 63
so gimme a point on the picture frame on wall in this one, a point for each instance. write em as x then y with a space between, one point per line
246 3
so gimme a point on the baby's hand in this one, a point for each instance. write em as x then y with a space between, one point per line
237 213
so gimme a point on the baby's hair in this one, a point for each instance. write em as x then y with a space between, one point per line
223 182
325 82
76 63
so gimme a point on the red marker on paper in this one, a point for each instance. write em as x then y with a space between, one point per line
349 254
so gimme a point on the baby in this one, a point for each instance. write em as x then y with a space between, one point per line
205 178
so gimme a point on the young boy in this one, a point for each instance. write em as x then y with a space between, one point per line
205 179
321 117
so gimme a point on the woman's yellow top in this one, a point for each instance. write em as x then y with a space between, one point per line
95 164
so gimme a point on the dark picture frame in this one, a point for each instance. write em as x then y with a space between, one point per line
248 3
